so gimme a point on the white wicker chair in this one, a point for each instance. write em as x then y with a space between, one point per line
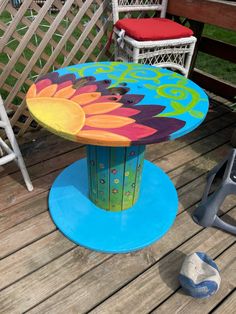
7 153
170 53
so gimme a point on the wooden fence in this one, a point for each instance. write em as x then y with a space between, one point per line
41 36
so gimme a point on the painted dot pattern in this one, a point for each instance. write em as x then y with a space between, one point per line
117 182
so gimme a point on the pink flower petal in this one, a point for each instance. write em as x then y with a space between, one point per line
124 112
63 85
42 84
134 131
86 89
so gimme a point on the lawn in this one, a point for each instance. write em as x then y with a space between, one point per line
216 66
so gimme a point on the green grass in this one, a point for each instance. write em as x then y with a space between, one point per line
216 66
35 41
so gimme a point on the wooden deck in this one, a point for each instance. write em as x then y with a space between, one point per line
43 272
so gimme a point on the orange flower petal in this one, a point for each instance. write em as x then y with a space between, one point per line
102 137
48 91
102 107
108 121
59 115
86 98
65 92
32 91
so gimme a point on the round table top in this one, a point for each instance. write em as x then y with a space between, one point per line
117 104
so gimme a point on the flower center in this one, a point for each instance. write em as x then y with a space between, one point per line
57 114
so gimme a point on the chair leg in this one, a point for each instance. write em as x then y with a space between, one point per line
6 125
24 172
14 145
19 158
189 58
135 55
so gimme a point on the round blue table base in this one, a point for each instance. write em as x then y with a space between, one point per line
113 232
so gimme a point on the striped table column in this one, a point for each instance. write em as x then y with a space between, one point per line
114 176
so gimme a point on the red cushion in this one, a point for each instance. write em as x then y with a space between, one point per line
153 29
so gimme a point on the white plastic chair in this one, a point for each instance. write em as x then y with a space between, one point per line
170 53
12 152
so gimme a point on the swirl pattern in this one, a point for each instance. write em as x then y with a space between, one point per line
157 80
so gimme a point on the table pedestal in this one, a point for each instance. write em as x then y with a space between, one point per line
113 230
114 176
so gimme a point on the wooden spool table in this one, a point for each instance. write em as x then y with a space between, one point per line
116 109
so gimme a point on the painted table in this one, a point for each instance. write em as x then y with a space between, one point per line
116 109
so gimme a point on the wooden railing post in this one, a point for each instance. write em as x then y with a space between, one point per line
214 12
197 28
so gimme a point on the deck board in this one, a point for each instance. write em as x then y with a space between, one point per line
154 285
228 306
43 272
98 284
179 302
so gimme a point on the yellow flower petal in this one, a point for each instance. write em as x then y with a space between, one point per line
108 121
32 91
100 137
86 98
65 92
102 107
48 91
59 115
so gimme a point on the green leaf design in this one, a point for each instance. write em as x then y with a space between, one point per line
150 86
177 93
176 90
121 80
182 82
177 106
99 70
178 109
196 114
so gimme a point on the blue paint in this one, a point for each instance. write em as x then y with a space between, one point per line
113 232
148 75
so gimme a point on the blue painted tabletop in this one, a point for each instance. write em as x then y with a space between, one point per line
117 104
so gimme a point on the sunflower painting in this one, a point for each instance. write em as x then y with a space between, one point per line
92 112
